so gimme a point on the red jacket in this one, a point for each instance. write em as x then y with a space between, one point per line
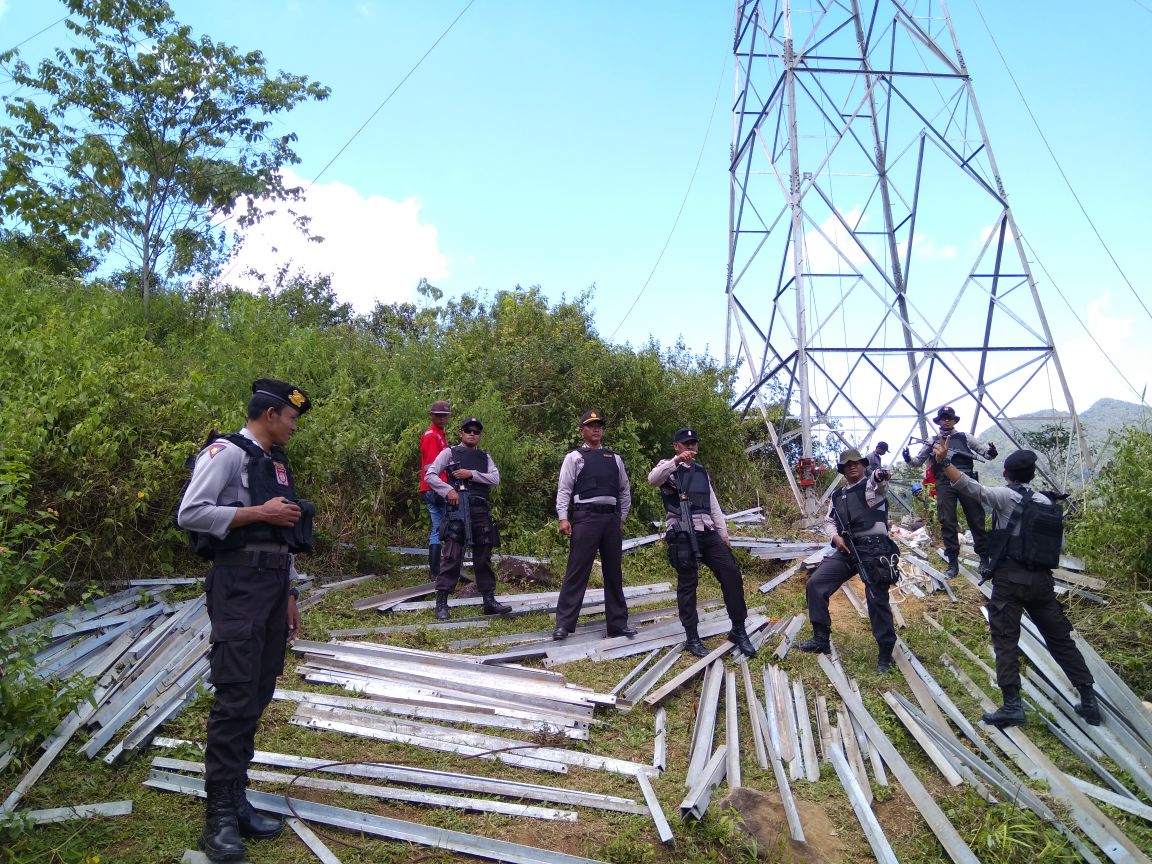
432 442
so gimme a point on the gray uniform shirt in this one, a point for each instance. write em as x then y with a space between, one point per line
219 479
999 499
712 520
570 469
975 445
874 493
489 477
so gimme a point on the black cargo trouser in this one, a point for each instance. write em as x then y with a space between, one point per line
826 579
248 608
593 532
946 501
452 551
1014 590
718 557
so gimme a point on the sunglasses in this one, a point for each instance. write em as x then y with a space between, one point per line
470 431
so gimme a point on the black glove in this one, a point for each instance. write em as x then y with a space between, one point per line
992 451
907 456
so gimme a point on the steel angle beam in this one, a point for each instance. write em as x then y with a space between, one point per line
1128 706
663 829
943 763
939 578
866 745
636 542
911 669
776 737
410 628
1120 802
854 600
807 741
656 697
732 729
945 832
789 636
636 670
463 665
310 839
791 813
413 796
782 578
699 796
844 739
385 601
648 680
751 700
1091 761
61 735
660 742
704 727
860 806
379 826
77 811
72 628
593 595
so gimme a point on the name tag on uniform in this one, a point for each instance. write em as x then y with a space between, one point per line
281 474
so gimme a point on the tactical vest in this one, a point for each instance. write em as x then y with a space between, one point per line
959 451
474 459
599 477
1034 535
695 484
268 477
853 511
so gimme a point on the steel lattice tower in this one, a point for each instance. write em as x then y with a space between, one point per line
875 271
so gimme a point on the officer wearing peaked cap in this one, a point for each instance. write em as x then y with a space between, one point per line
241 511
964 448
592 502
1018 586
683 475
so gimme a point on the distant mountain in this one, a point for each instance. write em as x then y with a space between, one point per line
1049 434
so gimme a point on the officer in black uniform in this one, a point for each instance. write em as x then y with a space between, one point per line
861 507
241 511
682 475
471 472
963 447
1016 588
593 489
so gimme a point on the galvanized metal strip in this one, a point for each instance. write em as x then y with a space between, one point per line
648 680
752 701
704 727
688 674
881 848
663 829
636 670
411 628
851 748
807 741
788 728
660 743
943 763
782 578
76 811
391 598
310 839
381 826
854 600
696 802
789 636
732 729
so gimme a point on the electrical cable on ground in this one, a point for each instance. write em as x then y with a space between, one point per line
1059 167
683 203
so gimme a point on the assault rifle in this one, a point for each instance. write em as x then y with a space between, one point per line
685 516
461 511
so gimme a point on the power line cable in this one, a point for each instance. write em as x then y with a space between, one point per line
683 203
1143 6
388 98
1059 167
37 33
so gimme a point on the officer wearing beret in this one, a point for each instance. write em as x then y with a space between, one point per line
240 510
432 442
593 490
682 475
471 473
963 447
1016 588
861 507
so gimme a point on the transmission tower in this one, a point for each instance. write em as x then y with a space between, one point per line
875 272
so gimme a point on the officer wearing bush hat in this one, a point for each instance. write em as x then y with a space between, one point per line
861 509
964 449
1017 587
592 503
241 511
680 476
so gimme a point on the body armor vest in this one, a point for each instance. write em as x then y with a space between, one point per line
599 477
695 484
854 514
474 459
959 451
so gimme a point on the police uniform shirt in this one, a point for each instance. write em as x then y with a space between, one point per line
570 469
999 499
490 477
874 493
968 444
220 475
712 520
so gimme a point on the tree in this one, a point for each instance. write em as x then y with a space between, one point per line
143 138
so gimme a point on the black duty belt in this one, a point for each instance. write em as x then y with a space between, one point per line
595 508
261 560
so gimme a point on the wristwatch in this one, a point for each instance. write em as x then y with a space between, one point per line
947 461
294 592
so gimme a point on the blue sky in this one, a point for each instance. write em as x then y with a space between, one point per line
554 143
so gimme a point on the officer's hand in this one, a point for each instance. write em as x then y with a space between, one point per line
940 450
462 474
882 475
907 456
565 527
280 511
453 497
992 451
839 543
293 618
686 457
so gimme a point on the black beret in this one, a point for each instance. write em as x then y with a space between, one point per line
1021 460
283 391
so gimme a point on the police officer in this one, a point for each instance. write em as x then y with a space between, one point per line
241 510
472 473
861 509
876 457
593 490
432 442
963 448
1016 588
682 475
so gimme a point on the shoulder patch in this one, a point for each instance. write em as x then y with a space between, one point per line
213 449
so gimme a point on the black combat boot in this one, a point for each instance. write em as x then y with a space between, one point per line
1089 708
738 636
1011 713
953 559
442 613
692 643
434 561
820 643
220 839
252 824
884 661
492 606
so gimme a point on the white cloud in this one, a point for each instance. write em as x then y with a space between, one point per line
1090 375
376 249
